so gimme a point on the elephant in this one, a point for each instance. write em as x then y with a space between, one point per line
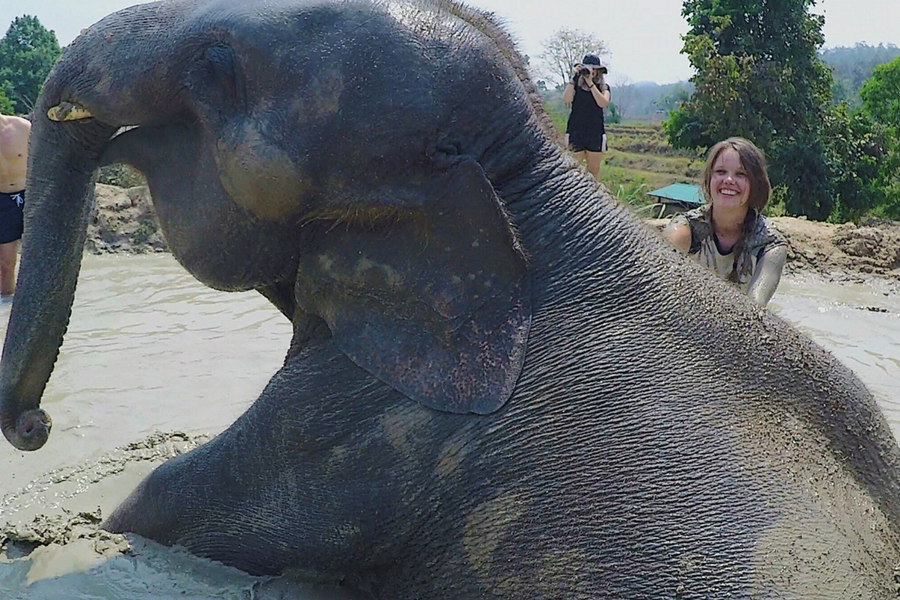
501 383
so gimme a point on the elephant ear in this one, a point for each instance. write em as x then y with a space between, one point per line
425 286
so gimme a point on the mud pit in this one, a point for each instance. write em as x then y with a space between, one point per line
54 548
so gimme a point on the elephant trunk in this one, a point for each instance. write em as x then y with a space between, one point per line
96 88
58 205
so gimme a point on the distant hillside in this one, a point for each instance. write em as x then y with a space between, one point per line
647 101
650 102
852 66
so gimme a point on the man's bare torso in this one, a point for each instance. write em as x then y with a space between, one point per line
14 133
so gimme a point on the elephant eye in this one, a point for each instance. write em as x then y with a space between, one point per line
213 79
214 83
219 62
220 68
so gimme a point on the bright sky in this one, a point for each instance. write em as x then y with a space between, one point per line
644 36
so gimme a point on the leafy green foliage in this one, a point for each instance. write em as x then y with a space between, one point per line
881 95
6 105
856 154
27 53
684 129
798 164
757 71
759 77
612 114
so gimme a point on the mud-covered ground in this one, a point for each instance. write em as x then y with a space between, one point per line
845 252
123 221
59 551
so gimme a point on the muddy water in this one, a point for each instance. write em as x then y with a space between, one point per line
858 322
150 350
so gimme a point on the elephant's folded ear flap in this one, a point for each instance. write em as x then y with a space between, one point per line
426 287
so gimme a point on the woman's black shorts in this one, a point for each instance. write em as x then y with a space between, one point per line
11 216
589 143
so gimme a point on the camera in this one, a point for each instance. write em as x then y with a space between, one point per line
584 72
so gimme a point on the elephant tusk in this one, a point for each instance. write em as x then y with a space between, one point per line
66 111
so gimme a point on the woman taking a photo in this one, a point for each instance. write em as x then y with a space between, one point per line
588 94
728 234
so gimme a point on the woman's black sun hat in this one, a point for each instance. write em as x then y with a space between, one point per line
592 60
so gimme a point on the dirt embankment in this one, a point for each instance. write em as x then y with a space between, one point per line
837 252
872 248
124 222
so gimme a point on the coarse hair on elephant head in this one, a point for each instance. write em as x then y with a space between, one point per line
351 183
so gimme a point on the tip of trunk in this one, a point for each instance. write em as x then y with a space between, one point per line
29 431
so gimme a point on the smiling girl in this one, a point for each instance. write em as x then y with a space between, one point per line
728 234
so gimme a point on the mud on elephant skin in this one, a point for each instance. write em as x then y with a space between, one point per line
471 405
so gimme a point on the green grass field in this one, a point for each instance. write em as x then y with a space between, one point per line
640 160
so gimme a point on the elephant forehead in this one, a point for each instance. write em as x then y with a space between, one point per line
319 99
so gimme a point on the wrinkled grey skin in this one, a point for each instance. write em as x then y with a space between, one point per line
500 384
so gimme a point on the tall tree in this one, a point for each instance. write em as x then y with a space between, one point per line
758 76
564 49
880 95
27 53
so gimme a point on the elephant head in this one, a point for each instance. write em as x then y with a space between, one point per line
348 181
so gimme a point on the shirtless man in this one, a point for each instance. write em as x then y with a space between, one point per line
14 133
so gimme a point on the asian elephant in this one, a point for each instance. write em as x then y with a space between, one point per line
500 383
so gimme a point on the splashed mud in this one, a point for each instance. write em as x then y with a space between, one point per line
51 545
65 485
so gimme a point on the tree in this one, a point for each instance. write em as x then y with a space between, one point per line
27 53
856 154
564 49
613 114
6 105
880 95
758 76
625 99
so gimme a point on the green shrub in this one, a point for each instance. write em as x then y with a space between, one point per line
121 176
